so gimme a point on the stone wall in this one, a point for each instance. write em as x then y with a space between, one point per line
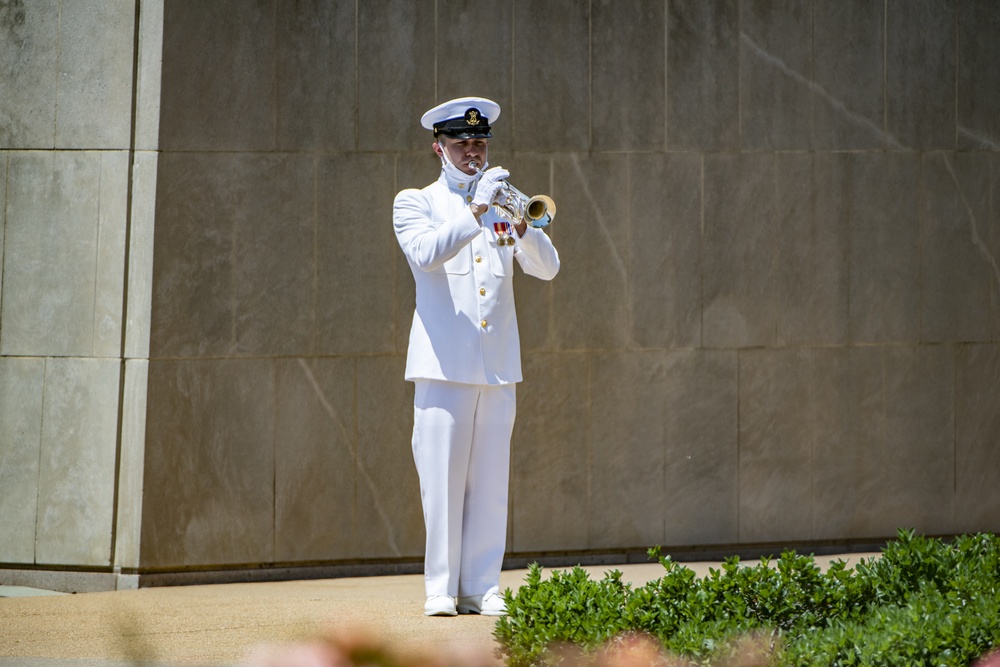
777 320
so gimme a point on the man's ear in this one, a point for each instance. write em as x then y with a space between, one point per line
437 148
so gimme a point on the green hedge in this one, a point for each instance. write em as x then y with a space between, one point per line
925 601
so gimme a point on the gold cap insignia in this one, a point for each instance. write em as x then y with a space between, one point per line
472 116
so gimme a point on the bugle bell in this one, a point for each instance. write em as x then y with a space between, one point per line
515 206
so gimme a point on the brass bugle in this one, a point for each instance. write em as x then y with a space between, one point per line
511 203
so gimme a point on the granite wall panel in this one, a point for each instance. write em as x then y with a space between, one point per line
776 442
632 69
812 268
977 432
463 45
551 455
316 88
920 73
76 468
63 263
21 383
848 75
701 448
703 75
389 112
918 481
957 269
594 204
812 447
50 249
845 395
274 255
209 465
193 266
552 90
94 100
627 442
218 76
389 517
738 265
884 301
978 86
315 462
664 253
775 67
353 314
29 52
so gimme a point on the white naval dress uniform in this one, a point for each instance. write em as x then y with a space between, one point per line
464 357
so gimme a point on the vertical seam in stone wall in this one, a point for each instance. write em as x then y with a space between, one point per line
775 251
234 273
274 459
811 84
512 131
739 77
993 213
588 436
38 475
630 315
55 113
701 249
958 70
954 428
275 139
885 74
590 76
357 75
3 232
739 449
314 334
353 446
97 253
847 210
666 75
129 190
551 290
435 79
921 227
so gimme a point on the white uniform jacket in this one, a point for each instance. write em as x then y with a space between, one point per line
464 326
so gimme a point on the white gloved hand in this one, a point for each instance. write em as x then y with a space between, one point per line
491 181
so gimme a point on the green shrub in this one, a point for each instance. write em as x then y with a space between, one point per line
923 602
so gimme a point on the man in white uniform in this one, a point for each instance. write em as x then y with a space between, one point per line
464 355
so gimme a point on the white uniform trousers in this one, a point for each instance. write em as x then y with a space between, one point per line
461 446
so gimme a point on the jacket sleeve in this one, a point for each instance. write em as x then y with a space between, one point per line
426 242
536 254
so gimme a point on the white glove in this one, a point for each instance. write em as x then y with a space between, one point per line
491 181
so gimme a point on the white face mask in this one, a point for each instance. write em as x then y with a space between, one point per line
456 175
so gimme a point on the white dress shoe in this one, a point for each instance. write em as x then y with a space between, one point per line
440 605
490 604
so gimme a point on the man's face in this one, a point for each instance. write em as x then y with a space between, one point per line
462 151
